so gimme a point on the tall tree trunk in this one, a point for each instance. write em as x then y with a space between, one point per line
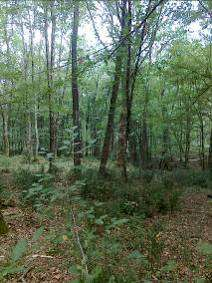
75 90
145 142
187 138
6 143
29 146
202 142
126 93
165 136
31 30
29 137
114 95
210 153
111 115
50 67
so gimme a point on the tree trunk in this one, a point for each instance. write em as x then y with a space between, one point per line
144 139
29 138
165 136
36 143
111 115
188 140
75 90
6 143
202 144
210 153
126 101
50 67
114 95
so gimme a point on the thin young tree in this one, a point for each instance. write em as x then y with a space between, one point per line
75 88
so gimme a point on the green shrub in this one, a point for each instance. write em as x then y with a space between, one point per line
147 176
192 178
162 196
157 193
23 179
97 187
38 195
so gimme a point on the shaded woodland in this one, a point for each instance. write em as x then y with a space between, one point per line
105 141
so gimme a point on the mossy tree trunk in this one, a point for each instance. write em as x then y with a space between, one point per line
3 225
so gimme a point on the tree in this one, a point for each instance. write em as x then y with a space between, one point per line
75 89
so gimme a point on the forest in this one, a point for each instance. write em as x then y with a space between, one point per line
105 141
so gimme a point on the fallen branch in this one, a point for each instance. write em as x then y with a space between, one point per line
30 266
76 232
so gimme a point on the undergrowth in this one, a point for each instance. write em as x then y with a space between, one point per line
109 212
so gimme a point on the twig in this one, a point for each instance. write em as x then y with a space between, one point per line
84 258
30 266
25 273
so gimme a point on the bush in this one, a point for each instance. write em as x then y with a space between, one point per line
162 196
38 195
147 176
132 198
96 186
23 179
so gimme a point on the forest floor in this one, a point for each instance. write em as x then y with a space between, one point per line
49 260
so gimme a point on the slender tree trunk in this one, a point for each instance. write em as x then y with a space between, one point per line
126 101
202 143
145 142
29 137
210 153
165 137
36 143
111 115
114 95
6 143
50 67
75 90
187 139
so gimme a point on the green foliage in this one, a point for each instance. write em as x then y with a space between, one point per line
190 178
205 248
24 179
15 262
162 196
19 250
153 194
36 188
155 244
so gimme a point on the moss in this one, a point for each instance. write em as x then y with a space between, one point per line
3 226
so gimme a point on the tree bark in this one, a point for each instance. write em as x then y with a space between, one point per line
187 138
144 139
6 143
75 90
50 68
126 92
37 141
210 153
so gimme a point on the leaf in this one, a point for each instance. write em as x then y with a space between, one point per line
136 255
38 233
118 222
11 270
19 250
170 266
205 248
74 270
